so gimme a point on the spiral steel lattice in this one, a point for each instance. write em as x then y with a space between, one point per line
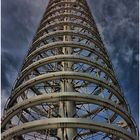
66 88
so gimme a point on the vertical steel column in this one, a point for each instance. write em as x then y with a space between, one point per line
67 108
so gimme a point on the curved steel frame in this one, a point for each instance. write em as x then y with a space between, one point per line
66 123
67 88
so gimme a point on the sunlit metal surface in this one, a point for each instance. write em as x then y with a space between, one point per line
67 89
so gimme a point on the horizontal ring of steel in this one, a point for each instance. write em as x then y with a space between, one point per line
66 123
67 8
80 3
68 96
70 32
33 53
65 75
71 58
64 2
75 23
64 44
71 15
84 25
57 1
43 24
80 9
49 26
54 11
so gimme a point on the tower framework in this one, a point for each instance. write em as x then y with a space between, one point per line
67 89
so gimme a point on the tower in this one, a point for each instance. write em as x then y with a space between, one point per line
66 88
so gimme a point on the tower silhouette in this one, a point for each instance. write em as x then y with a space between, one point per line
67 89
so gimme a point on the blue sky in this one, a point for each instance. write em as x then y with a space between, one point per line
117 22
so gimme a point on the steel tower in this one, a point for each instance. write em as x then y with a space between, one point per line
67 89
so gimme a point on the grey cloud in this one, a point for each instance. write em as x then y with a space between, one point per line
9 69
19 22
118 24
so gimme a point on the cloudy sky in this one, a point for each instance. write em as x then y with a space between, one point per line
117 21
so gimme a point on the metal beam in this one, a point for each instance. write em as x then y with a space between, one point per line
68 96
66 123
65 75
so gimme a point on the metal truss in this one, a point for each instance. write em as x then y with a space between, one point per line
67 89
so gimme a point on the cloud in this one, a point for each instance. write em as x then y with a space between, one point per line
18 29
19 23
128 55
9 69
118 25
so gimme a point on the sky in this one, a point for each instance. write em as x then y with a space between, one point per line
117 22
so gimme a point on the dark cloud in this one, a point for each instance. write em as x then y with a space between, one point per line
117 22
19 22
